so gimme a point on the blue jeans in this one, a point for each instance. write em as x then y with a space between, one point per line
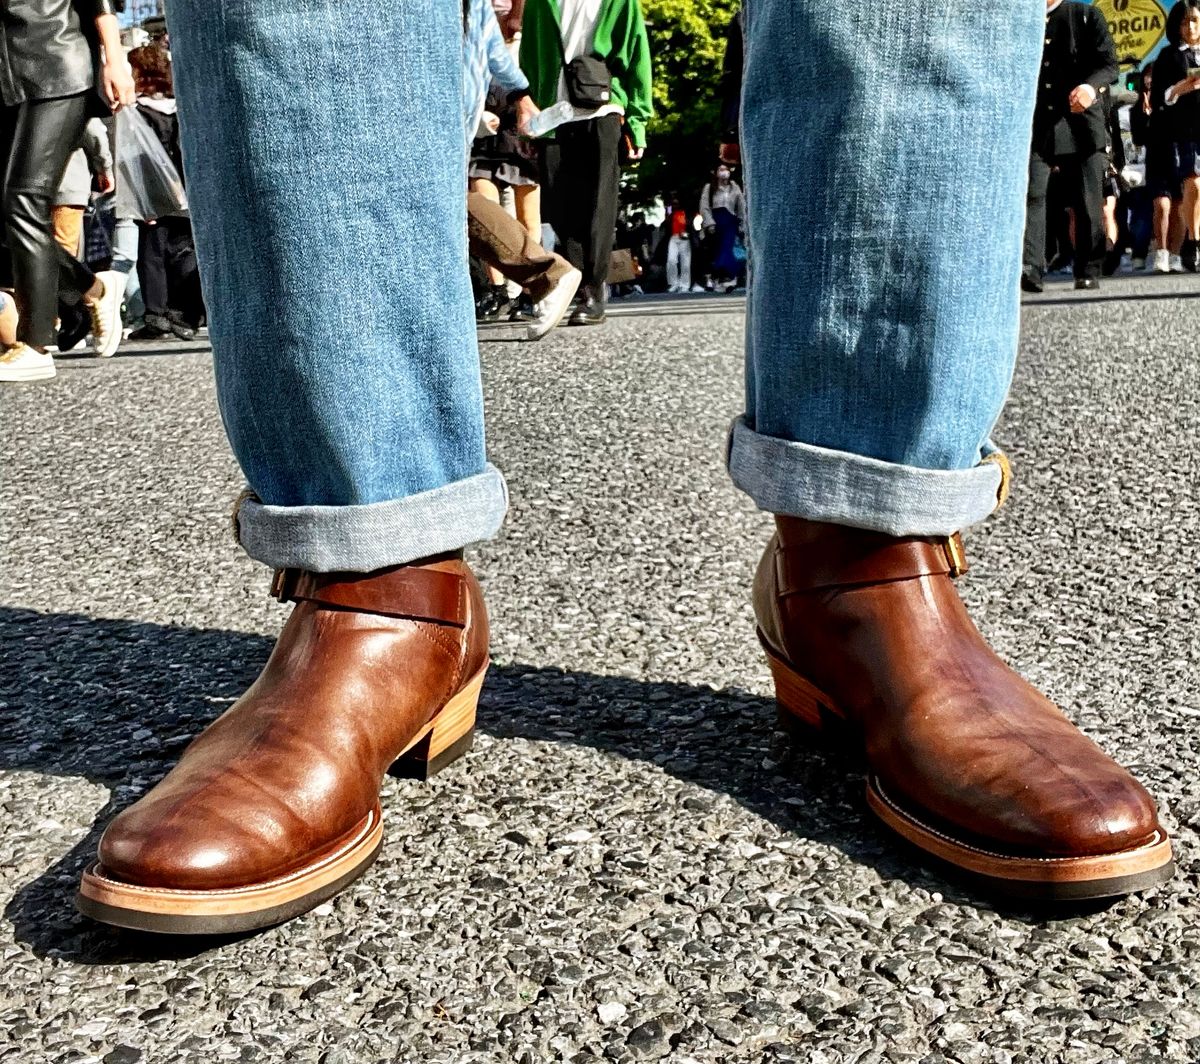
886 152
124 261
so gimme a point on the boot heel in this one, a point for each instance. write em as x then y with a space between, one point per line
803 708
445 739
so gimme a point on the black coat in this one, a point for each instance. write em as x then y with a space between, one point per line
1180 121
49 48
1078 50
1144 129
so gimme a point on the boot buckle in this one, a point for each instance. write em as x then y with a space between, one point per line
956 556
283 584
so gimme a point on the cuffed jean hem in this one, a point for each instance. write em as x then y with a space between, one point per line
818 484
360 539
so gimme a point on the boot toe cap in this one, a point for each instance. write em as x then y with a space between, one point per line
141 850
1121 817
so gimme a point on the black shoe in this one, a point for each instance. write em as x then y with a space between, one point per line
147 332
1031 281
1112 262
1087 283
76 324
153 327
522 309
493 305
589 310
181 329
1189 255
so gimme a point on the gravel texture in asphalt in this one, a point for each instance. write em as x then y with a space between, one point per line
633 864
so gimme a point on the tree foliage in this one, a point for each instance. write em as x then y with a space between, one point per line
687 42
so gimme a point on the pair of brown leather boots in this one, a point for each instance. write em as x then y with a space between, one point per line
275 807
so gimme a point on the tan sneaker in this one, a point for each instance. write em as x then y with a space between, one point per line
106 314
24 363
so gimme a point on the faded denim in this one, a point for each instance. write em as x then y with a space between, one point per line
326 164
886 149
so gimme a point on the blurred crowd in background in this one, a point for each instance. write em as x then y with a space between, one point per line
570 157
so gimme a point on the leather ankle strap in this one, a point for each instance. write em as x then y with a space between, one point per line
859 560
407 592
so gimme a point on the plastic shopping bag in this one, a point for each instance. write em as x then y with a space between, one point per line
148 185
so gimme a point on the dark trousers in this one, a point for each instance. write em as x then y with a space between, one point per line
498 239
1141 220
167 270
581 172
1083 180
41 135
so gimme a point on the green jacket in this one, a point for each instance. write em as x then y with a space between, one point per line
620 40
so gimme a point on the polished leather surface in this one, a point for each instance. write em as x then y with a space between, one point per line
293 768
949 729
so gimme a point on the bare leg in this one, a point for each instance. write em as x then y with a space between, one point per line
1111 230
1177 229
529 209
1162 221
8 321
1190 209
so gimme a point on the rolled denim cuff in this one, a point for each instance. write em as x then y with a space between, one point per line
818 484
359 539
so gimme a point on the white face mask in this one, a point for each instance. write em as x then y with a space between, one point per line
722 175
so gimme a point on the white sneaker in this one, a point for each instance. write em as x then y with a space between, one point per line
698 288
1176 264
106 314
24 363
1162 261
549 311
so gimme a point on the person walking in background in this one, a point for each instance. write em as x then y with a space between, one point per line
50 62
1148 130
91 165
594 56
1115 205
1176 81
494 236
723 210
679 248
167 271
504 170
1079 63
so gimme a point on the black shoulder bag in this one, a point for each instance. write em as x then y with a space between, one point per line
588 79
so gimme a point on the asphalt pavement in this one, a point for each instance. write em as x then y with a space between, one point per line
633 863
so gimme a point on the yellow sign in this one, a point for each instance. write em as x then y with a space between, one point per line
1136 26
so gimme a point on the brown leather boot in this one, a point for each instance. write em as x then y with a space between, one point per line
865 634
275 806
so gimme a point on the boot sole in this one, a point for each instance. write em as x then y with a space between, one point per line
805 711
232 910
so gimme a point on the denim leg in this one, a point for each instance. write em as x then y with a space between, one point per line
125 256
326 163
886 149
